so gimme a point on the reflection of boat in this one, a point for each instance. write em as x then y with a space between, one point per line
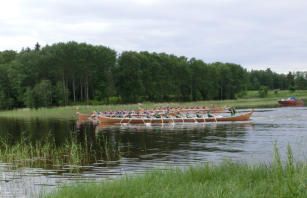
141 120
82 121
291 101
101 126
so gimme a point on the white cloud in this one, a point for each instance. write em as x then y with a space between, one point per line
255 34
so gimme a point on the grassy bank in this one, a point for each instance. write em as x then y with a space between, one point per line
250 100
228 179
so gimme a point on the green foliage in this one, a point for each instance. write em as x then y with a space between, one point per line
40 95
292 88
267 78
80 73
301 80
130 77
60 94
29 99
7 56
73 71
160 77
263 91
241 94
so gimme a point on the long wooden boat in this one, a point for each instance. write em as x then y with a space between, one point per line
292 101
113 120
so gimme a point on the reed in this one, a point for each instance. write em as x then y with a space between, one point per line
228 179
47 154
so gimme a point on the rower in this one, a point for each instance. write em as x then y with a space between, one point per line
157 116
94 113
147 115
209 114
233 111
139 106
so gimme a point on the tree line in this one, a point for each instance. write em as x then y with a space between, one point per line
79 73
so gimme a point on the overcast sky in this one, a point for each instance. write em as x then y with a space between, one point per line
256 34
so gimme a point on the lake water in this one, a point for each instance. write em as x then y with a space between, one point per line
143 148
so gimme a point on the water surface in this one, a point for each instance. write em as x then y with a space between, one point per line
144 148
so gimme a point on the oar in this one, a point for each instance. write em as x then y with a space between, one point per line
173 120
214 117
147 123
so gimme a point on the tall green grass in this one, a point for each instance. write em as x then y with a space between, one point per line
47 154
228 179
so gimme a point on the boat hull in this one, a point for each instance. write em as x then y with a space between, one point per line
243 117
286 103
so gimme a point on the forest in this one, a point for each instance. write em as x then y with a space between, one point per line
79 73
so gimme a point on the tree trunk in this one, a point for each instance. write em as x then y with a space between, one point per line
81 91
86 91
74 89
64 91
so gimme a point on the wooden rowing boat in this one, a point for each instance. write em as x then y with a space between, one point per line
113 120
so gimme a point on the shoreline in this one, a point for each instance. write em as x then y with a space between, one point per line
68 112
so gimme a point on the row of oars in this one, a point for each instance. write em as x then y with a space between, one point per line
173 122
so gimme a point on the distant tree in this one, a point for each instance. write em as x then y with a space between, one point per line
60 94
129 77
292 88
290 78
40 95
29 98
263 91
37 47
68 73
7 92
300 81
7 56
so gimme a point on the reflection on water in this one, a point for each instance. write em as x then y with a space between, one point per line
144 147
